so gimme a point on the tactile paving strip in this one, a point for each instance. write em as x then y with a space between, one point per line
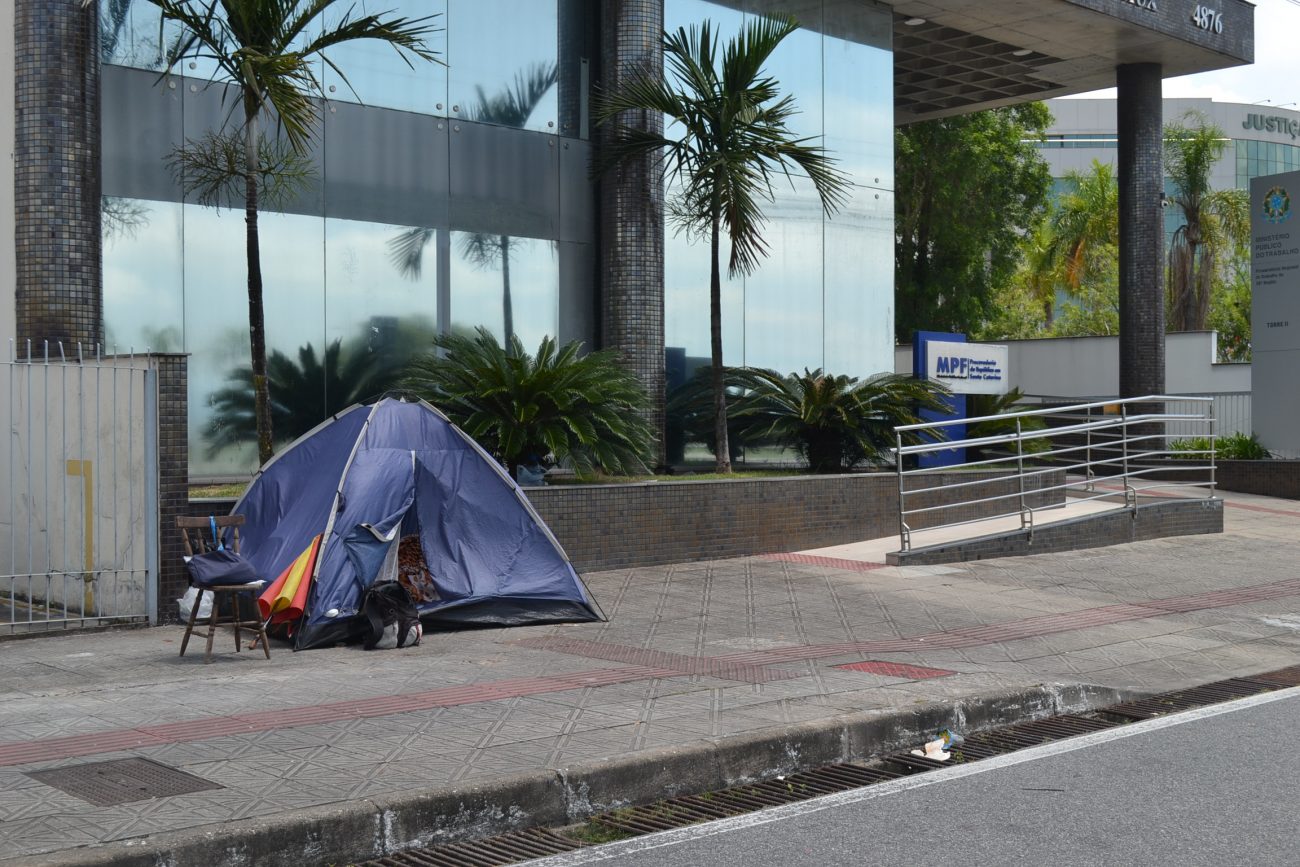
106 784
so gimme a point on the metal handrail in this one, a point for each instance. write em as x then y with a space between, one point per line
1122 441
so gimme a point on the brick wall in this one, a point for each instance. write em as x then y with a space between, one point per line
1188 517
1272 478
616 526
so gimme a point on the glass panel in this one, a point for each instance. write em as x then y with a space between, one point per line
860 285
783 297
505 284
502 60
686 302
859 93
381 306
796 65
143 300
129 33
377 75
216 316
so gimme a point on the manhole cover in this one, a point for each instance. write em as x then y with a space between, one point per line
105 784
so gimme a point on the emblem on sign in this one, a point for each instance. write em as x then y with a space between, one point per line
1277 205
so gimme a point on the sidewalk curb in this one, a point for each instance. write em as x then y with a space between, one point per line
358 830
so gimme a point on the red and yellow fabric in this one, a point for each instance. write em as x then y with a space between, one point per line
286 598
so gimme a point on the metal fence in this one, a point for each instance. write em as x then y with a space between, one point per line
1231 410
78 525
1126 443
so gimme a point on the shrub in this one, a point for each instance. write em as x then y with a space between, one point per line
582 408
1234 447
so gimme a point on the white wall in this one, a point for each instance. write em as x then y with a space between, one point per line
1089 366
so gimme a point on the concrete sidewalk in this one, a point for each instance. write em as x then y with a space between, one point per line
705 673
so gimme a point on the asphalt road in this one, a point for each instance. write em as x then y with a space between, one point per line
1216 786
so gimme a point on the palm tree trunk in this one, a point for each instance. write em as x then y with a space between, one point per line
507 305
256 320
722 451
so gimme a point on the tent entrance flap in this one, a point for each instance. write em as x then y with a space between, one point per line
373 553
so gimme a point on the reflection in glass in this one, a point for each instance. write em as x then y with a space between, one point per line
859 285
216 317
378 75
508 285
783 297
488 41
143 304
378 317
128 34
859 105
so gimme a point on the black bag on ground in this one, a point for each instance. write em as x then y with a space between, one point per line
391 617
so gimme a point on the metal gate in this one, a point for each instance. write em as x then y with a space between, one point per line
79 508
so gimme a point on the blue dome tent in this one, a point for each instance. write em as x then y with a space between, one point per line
393 473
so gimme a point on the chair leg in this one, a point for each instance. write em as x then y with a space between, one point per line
189 627
212 630
234 603
261 636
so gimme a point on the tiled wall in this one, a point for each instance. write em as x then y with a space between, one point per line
57 296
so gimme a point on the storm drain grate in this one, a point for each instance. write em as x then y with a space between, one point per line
491 852
106 784
693 809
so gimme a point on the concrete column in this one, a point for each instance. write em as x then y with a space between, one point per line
173 479
59 291
1141 231
632 211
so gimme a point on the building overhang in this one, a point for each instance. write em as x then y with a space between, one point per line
953 57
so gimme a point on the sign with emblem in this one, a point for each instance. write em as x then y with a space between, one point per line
1275 312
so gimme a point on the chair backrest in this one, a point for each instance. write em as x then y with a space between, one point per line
197 533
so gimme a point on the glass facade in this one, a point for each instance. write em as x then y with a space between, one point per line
443 197
823 297
1258 158
449 196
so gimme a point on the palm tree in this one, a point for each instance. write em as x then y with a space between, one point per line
731 138
1214 221
1085 224
835 422
511 107
584 408
269 51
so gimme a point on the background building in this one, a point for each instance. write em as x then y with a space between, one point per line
1261 139
429 207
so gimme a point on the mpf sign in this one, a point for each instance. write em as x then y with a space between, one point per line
968 368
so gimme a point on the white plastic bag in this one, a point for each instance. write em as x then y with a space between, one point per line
186 604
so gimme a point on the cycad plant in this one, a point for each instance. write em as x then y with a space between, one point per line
583 408
835 422
727 139
271 52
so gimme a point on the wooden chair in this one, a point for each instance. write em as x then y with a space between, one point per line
197 533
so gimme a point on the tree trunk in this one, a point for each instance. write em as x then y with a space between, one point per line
722 451
507 305
256 320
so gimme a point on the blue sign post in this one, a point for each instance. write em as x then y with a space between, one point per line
956 403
